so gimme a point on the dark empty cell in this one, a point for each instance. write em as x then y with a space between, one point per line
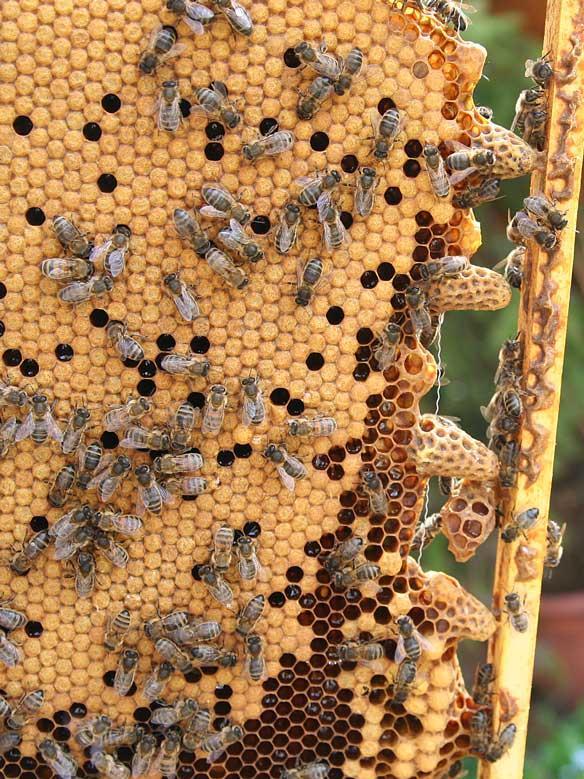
337 454
78 710
420 253
242 450
111 103
385 271
2 290
131 363
39 523
146 388
385 104
45 725
347 219
200 344
401 282
107 182
196 399
12 357
147 369
223 692
92 131
335 315
413 148
411 168
214 131
22 125
2 329
108 678
29 367
12 770
291 59
335 472
424 218
222 708
99 317
252 529
292 592
277 600
320 462
185 772
268 125
349 163
294 574
423 236
35 216
33 629
393 196
28 763
61 734
225 458
363 354
64 352
361 372
109 440
314 361
214 151
369 279
185 108
260 225
364 336
295 407
280 396
319 141
142 714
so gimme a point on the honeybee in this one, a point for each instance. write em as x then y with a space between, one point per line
180 463
155 684
197 728
309 428
7 435
206 654
62 485
403 681
236 15
151 494
323 64
419 313
116 631
91 731
540 71
194 632
106 482
352 66
164 626
126 414
521 523
9 741
70 521
169 752
182 297
180 428
481 690
310 102
22 562
255 664
446 267
81 291
544 210
125 734
386 128
137 437
314 186
169 115
214 410
237 240
39 423
27 707
66 270
108 766
126 346
216 586
222 549
196 15
373 488
190 485
334 231
144 755
173 654
436 170
529 100
290 469
190 231
113 551
502 743
286 233
318 769
71 238
253 406
517 615
223 266
222 204
473 197
12 396
485 111
213 101
84 574
425 533
248 564
217 743
74 430
275 142
351 577
10 654
535 128
356 651
513 265
554 548
10 620
449 13
343 554
184 364
115 521
468 161
68 546
410 642
162 46
522 228
508 373
386 349
365 191
480 731
59 761
126 671
250 614
114 251
309 277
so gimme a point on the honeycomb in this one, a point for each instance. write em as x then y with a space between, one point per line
77 137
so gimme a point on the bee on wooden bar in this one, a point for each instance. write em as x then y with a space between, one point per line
545 211
521 523
502 743
513 265
554 548
517 615
522 228
539 70
480 732
484 678
529 100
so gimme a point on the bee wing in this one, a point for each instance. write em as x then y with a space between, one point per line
211 212
228 239
186 305
400 652
8 428
286 479
25 429
126 344
237 230
116 262
322 205
77 292
194 24
375 119
459 175
98 252
213 756
239 15
106 488
424 643
54 430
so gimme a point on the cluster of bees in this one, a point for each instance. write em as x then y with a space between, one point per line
15 714
531 110
482 740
